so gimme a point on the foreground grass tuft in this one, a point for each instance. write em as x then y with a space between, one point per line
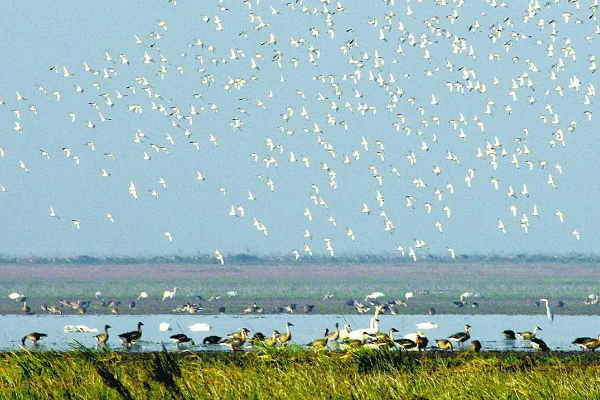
294 373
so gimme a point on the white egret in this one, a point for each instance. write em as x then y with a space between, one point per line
549 311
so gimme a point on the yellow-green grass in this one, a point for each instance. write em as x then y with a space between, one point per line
297 374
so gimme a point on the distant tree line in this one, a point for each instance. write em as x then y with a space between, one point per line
250 259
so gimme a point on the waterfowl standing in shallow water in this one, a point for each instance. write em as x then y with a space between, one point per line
129 338
461 337
422 342
509 334
407 344
34 337
103 337
236 342
181 338
587 343
539 344
241 333
528 335
476 346
212 339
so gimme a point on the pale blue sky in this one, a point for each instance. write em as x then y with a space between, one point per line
39 35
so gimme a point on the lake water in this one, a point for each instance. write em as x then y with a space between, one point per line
485 328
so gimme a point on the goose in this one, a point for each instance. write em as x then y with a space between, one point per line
169 294
407 344
321 342
129 338
236 342
34 337
476 346
528 335
539 344
461 337
587 343
200 327
239 334
212 339
103 337
272 340
354 343
422 342
55 310
444 344
509 334
26 309
286 337
258 337
335 335
181 338
386 340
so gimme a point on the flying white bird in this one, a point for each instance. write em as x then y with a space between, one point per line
133 190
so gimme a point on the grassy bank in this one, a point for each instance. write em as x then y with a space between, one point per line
297 374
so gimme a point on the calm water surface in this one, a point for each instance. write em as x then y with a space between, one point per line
486 328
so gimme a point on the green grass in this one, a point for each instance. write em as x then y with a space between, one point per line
297 374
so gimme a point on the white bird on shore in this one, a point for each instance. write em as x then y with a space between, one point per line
169 294
374 295
16 296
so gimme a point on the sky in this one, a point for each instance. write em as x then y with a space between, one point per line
236 90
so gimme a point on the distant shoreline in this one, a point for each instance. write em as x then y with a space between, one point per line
499 287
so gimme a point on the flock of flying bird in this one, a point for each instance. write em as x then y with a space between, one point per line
366 123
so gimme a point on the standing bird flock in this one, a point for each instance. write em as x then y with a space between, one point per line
311 115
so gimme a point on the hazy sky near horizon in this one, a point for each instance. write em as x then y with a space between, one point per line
522 94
